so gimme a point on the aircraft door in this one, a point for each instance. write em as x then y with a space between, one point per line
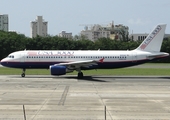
134 57
22 57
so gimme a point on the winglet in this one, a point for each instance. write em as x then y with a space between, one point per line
154 40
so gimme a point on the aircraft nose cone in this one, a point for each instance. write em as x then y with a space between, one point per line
3 62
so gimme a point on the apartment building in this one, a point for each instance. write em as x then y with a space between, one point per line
4 22
110 31
64 34
39 27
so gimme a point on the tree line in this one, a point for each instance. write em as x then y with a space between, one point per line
11 41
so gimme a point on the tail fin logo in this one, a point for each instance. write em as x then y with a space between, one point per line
150 37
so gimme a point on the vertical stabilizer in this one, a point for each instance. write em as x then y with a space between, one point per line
154 40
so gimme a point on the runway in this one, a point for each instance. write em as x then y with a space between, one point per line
67 98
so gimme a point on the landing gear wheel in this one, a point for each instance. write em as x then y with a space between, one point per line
23 75
80 75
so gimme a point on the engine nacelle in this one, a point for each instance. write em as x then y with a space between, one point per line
57 70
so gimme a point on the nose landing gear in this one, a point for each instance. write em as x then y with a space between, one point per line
23 73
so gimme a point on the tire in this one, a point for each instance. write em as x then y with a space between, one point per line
23 75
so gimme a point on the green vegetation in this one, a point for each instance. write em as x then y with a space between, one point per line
123 71
11 41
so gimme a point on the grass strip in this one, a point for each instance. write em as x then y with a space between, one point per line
121 71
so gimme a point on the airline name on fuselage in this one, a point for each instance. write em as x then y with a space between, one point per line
52 53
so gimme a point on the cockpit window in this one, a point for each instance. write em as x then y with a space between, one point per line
10 56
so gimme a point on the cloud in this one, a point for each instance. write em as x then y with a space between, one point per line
138 21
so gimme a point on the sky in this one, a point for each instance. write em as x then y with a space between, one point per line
68 15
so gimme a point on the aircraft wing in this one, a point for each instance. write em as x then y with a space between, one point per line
78 64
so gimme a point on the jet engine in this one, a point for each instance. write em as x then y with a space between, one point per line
57 70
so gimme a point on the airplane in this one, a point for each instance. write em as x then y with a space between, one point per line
61 62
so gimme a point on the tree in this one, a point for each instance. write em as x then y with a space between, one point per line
124 35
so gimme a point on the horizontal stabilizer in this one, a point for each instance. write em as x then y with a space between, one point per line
159 55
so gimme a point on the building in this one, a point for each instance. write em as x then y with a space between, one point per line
4 22
140 36
39 27
95 32
110 31
136 37
65 35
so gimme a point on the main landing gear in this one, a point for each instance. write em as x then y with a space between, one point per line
23 73
80 75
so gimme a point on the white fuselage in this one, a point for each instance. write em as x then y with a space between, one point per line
43 59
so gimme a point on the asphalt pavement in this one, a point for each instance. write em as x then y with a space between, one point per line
68 98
